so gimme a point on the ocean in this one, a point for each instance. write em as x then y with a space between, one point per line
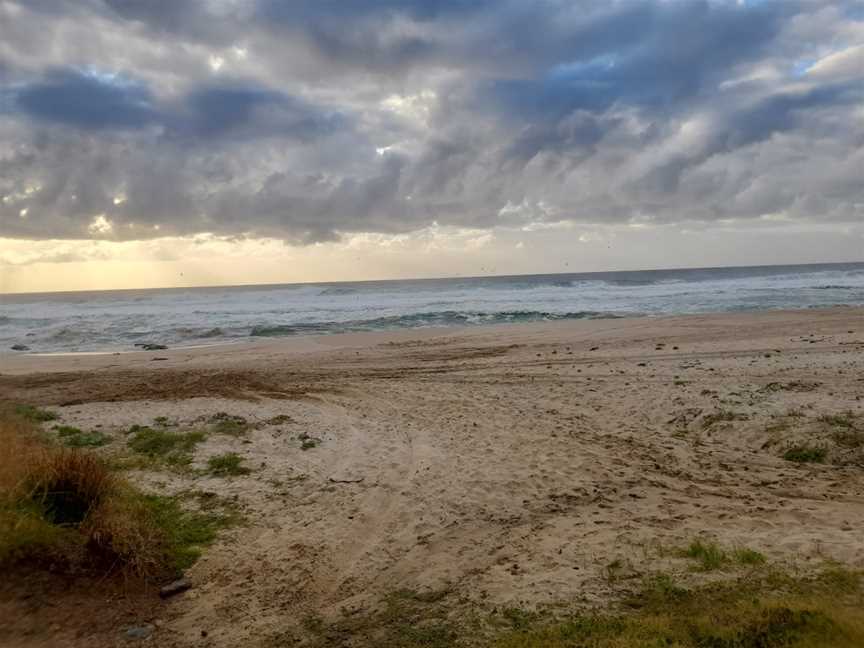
117 320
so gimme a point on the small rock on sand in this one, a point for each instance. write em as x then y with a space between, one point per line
178 586
140 632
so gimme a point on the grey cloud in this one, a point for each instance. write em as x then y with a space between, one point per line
83 100
219 110
94 100
327 117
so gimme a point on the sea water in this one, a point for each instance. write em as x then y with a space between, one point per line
119 319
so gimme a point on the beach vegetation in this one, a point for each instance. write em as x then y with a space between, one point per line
848 438
66 430
279 419
406 619
227 465
230 424
67 508
659 587
520 619
35 414
618 570
174 448
745 556
186 532
805 454
845 420
767 611
74 437
708 555
764 609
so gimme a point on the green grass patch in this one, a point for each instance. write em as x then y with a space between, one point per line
92 439
773 611
230 424
25 532
520 619
406 619
66 508
764 609
73 437
227 465
174 448
66 430
750 557
805 454
657 588
34 414
708 555
186 532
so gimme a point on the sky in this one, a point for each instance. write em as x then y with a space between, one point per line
157 143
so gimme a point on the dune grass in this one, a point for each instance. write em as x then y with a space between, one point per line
406 619
229 424
73 437
767 608
173 448
772 610
806 454
227 465
65 506
34 414
710 556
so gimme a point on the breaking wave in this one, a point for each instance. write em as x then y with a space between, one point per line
419 320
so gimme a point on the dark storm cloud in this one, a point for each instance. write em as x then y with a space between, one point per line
335 10
308 119
93 101
219 110
659 58
85 101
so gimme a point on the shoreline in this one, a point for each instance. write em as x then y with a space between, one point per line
26 362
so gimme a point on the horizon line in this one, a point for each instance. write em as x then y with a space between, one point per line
436 278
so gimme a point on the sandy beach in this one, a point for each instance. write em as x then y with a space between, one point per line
506 465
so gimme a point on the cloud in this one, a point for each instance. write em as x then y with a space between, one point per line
311 121
845 64
215 111
86 100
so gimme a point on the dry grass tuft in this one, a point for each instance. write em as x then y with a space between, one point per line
65 506
68 485
122 532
